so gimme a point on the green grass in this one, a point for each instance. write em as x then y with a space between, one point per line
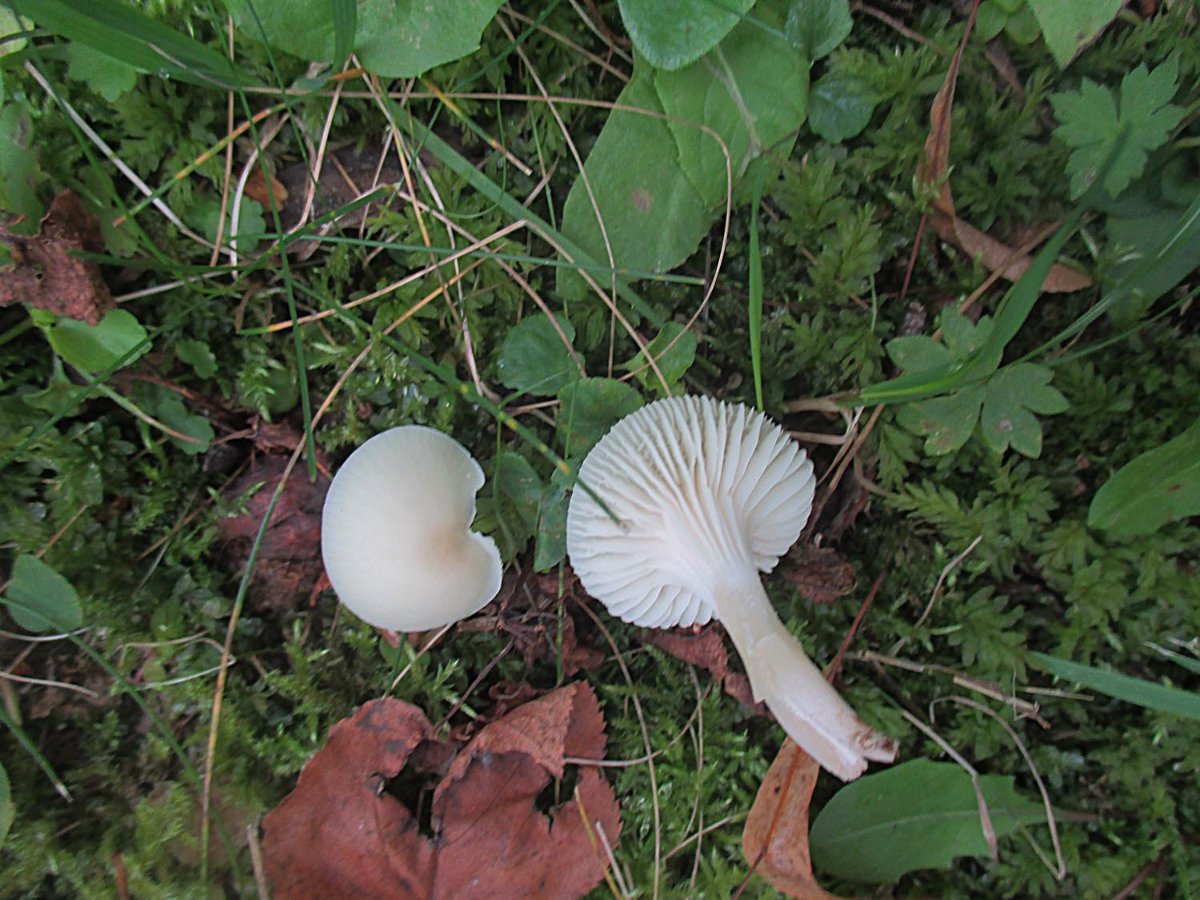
803 306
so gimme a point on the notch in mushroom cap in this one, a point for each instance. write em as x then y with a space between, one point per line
395 532
679 507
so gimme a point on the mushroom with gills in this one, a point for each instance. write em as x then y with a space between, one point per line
677 510
395 532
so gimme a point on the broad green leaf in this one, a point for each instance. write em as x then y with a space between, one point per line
123 31
964 337
1160 486
589 407
1168 237
653 216
1124 687
95 348
840 106
948 421
19 173
818 27
534 359
1011 397
40 599
752 90
516 492
917 815
206 216
345 27
106 75
393 38
658 185
671 35
673 349
1100 132
1069 25
918 353
11 23
8 810
167 407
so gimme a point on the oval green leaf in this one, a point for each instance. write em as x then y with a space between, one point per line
917 815
534 359
39 599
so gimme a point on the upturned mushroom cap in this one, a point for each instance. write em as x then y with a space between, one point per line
395 532
695 489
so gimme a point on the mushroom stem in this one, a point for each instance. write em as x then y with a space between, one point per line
812 713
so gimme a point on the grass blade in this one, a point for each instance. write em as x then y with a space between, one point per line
1125 687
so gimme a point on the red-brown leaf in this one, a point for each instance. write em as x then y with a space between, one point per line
775 838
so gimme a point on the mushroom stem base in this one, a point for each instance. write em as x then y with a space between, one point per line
812 713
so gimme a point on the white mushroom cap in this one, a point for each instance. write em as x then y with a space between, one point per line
698 488
395 532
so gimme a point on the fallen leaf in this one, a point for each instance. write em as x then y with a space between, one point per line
819 573
289 558
47 271
258 189
576 655
706 649
775 838
342 833
933 170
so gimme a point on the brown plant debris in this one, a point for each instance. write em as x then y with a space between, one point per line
934 171
775 838
342 833
706 650
47 271
819 573
289 558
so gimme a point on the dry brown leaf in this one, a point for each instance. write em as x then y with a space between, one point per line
819 573
775 839
257 189
934 169
706 650
47 271
340 833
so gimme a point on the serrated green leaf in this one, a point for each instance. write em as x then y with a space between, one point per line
96 348
673 350
947 421
1122 137
1069 26
198 355
588 408
917 815
1157 487
533 358
393 38
672 35
1125 687
818 27
840 106
1012 395
39 599
106 75
962 336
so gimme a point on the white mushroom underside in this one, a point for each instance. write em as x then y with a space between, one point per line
697 488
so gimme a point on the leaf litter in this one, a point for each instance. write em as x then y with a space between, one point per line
342 832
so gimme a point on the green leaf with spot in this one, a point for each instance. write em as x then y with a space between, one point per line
588 408
917 815
1013 395
1157 487
39 599
534 359
946 421
671 35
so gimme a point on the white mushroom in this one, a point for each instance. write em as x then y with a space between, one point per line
395 532
678 508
